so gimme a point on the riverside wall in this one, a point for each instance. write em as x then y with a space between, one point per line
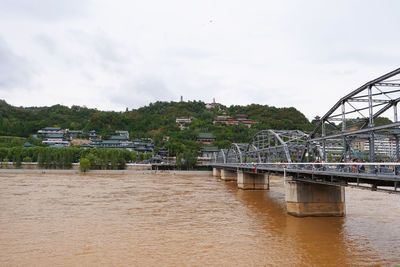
75 166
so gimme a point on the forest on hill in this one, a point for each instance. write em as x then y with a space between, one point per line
157 121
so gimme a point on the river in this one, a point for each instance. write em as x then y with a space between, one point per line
166 219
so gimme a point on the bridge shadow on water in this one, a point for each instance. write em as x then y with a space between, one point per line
313 240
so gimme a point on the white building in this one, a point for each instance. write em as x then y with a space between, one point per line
123 133
383 146
182 121
212 105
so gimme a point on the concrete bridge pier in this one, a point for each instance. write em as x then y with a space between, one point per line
252 180
217 172
309 199
228 175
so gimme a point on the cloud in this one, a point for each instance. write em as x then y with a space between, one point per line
46 42
114 54
344 32
96 50
140 92
46 10
15 71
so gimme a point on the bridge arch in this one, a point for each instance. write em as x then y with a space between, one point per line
365 119
252 154
220 156
283 146
235 153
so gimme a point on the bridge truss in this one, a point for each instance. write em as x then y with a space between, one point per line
362 125
362 118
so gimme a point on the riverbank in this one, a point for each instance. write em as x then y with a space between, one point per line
75 166
127 171
129 167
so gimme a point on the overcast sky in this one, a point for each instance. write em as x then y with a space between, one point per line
116 54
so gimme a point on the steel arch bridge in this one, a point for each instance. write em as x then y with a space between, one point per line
361 127
357 126
270 146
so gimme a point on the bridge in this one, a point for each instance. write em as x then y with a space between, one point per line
355 144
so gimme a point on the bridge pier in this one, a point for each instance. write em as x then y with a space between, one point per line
252 180
309 199
217 172
228 175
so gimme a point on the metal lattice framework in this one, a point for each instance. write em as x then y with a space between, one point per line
364 122
359 121
270 146
235 153
279 145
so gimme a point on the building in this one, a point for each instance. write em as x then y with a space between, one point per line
75 134
208 152
334 147
183 121
360 145
163 152
384 146
27 144
92 135
121 141
50 130
56 139
123 133
213 105
225 120
54 136
143 145
205 138
240 119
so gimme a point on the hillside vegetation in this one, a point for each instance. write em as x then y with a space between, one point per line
157 121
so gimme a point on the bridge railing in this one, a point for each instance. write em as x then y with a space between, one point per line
354 167
374 168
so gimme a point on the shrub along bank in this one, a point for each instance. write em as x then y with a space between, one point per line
62 158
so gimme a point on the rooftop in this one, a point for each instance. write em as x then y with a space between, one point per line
206 136
209 149
27 144
110 142
119 137
55 135
52 129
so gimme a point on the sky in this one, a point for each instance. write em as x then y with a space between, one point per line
113 55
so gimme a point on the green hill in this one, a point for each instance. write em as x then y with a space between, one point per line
157 120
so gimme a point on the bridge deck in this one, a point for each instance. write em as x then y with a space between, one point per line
382 179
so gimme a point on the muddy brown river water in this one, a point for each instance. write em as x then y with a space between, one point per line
136 219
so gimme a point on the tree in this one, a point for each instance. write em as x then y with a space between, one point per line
133 155
121 163
27 159
141 156
157 120
186 160
84 165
